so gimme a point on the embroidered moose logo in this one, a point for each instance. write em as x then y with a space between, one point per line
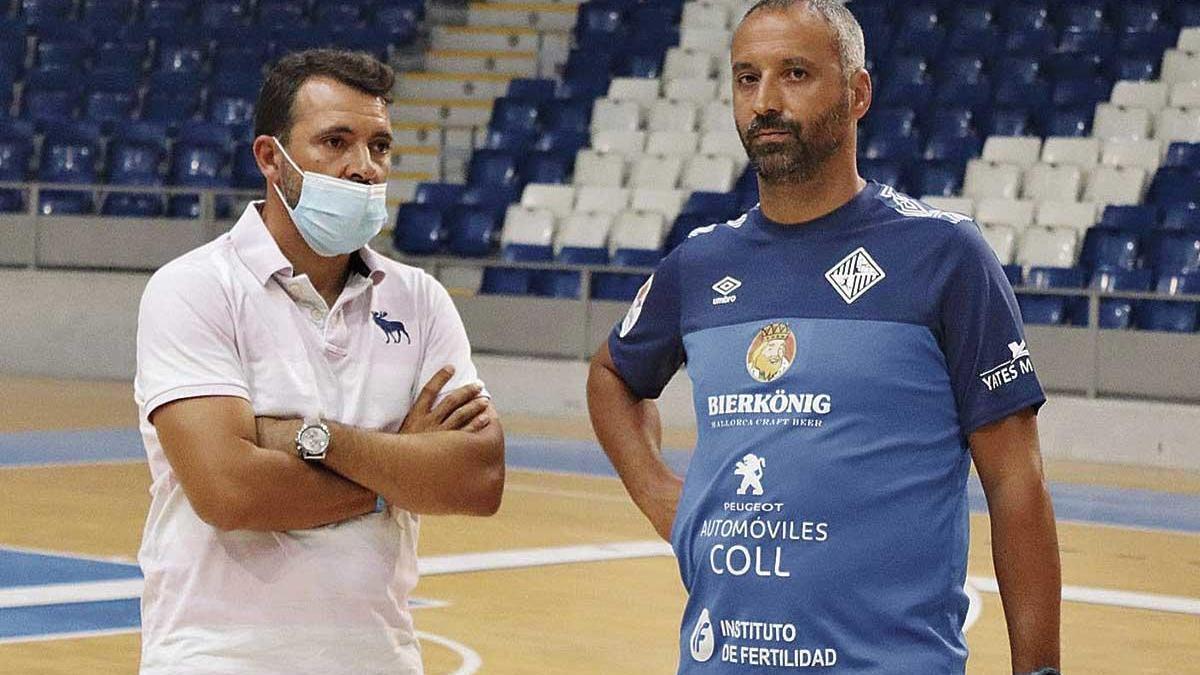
392 329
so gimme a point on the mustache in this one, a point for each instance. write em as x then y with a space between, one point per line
774 122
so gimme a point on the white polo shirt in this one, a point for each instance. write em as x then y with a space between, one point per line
230 319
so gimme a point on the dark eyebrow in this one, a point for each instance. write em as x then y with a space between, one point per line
340 129
741 65
797 61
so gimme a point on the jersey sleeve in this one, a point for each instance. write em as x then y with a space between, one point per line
646 346
446 342
984 339
186 341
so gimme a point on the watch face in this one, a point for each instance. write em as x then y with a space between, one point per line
314 439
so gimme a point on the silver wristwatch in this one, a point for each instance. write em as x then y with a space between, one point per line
312 441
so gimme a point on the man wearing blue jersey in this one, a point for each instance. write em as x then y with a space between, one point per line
851 351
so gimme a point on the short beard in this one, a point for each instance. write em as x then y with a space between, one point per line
289 184
800 158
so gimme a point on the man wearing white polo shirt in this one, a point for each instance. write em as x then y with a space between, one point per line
288 377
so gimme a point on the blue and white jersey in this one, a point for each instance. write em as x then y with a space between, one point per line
838 368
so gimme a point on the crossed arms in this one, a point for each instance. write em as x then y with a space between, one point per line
242 472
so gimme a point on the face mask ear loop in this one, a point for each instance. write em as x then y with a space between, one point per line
294 166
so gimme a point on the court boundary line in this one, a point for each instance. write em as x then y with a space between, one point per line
471 660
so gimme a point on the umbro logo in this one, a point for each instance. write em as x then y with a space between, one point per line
725 288
854 275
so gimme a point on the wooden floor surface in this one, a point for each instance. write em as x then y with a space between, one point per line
594 617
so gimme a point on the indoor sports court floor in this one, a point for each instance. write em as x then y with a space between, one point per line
567 578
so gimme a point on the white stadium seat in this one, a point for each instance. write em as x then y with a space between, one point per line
1048 247
601 199
1015 213
668 115
1050 181
619 142
705 15
1081 152
717 116
667 202
1020 150
527 226
1114 121
655 172
599 169
1180 66
1189 40
695 90
672 143
1002 239
715 41
584 230
1116 185
558 199
639 89
709 173
681 64
637 230
1178 124
725 143
963 205
1185 95
1072 214
1135 94
988 179
1146 153
616 115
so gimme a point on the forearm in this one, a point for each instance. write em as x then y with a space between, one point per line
630 432
276 491
436 472
1025 555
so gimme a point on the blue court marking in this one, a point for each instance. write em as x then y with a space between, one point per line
70 447
75 617
20 568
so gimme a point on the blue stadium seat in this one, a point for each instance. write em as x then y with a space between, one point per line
12 44
546 167
567 284
63 44
972 31
240 62
1010 121
1133 67
1150 42
281 14
1020 69
1049 309
535 91
16 150
246 174
1099 42
166 14
182 56
1023 14
106 10
472 231
1081 92
440 196
1172 185
1175 253
1069 121
1135 15
1175 317
642 62
1130 218
1114 312
907 83
224 13
231 111
616 286
1029 41
712 207
70 154
1081 14
135 155
587 76
949 121
895 121
1016 88
941 178
493 167
957 149
172 97
1181 216
1183 156
42 12
562 142
337 14
1066 65
1184 13
509 113
901 148
492 198
120 54
918 31
1014 274
885 171
598 22
1109 249
199 159
418 229
683 225
566 114
51 93
112 97
516 141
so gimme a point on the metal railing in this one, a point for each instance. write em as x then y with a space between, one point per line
208 196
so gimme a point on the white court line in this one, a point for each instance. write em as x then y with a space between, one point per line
574 494
471 661
50 637
975 606
57 594
539 557
1113 598
118 559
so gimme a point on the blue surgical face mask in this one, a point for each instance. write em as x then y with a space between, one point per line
336 216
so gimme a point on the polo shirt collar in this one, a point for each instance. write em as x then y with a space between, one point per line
261 255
